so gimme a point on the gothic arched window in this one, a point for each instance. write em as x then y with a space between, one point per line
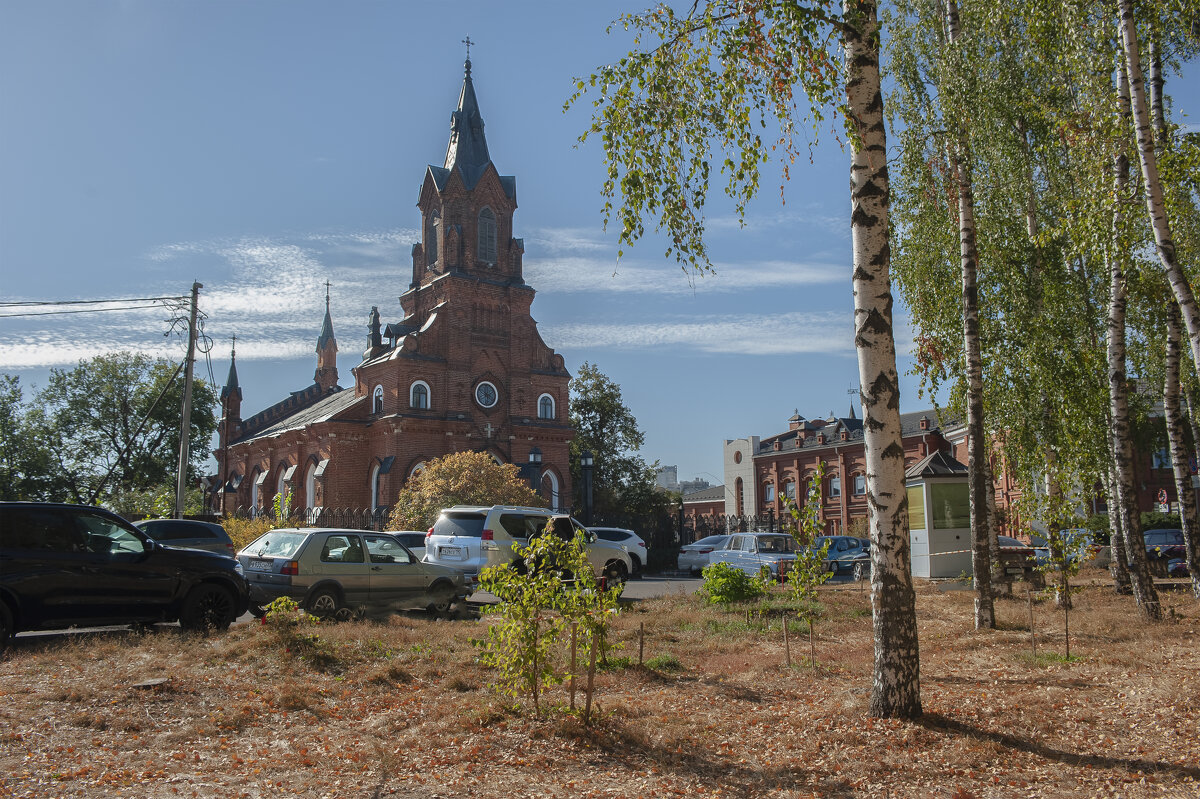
487 236
432 228
545 407
377 400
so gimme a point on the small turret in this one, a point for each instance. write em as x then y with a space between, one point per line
231 398
374 336
327 375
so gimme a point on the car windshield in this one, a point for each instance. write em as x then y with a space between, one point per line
711 541
776 543
276 545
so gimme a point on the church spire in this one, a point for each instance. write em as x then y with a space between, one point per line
326 375
231 386
468 148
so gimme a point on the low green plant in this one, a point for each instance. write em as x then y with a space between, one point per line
810 568
292 627
1068 551
725 584
668 663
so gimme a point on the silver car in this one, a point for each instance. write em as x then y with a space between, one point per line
758 553
633 544
337 573
694 557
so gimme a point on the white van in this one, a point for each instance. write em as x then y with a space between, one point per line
473 537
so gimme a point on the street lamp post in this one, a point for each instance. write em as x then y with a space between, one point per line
587 462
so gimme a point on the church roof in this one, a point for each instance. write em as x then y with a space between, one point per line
711 494
468 151
320 411
231 382
326 329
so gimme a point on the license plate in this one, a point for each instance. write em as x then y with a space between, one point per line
260 565
450 552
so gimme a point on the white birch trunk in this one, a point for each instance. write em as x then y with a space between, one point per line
895 690
1176 439
1119 566
985 612
1155 202
1135 545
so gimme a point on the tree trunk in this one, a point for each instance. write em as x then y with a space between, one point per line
1179 454
1155 202
960 163
1119 566
896 685
993 541
1135 545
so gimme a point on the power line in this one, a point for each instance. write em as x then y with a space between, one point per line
81 310
64 306
90 302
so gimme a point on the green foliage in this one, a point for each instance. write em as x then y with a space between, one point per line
281 508
725 584
809 569
696 97
293 629
154 503
622 483
460 478
550 586
26 467
106 427
1153 520
665 663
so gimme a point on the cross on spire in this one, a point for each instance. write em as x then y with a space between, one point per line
233 346
327 285
467 41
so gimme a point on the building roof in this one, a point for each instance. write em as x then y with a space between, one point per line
936 464
833 427
231 382
467 150
710 494
321 411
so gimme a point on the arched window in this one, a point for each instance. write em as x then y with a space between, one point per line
432 228
310 487
419 395
254 492
414 471
281 484
740 504
374 485
549 490
487 236
377 400
545 407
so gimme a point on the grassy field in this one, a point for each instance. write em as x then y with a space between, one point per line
402 708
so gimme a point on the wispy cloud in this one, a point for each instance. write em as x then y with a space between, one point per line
778 334
581 274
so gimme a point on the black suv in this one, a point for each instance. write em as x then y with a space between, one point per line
72 565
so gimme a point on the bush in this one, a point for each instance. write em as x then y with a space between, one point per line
243 531
725 584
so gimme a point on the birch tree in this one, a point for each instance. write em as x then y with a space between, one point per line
692 99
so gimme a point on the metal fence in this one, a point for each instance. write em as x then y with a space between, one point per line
349 518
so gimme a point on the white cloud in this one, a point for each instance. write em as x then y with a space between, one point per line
569 275
791 333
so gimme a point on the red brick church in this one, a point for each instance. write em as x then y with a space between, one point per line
464 369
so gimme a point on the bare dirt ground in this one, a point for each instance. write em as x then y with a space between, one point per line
403 709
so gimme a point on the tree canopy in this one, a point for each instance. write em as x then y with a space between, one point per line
460 478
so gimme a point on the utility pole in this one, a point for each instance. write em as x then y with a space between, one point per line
185 422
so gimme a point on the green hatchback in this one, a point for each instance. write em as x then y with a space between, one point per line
343 573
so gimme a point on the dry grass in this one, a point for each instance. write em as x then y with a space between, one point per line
403 709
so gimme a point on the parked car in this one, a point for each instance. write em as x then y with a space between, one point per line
843 549
413 539
1017 559
72 565
1164 543
1074 539
627 540
694 557
472 537
190 533
753 553
336 573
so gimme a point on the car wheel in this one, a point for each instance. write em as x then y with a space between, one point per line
324 604
207 607
637 568
443 595
616 573
862 570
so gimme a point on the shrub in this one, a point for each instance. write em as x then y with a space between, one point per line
725 584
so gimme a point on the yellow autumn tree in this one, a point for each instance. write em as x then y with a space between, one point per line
460 478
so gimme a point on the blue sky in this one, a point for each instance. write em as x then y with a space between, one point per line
263 148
